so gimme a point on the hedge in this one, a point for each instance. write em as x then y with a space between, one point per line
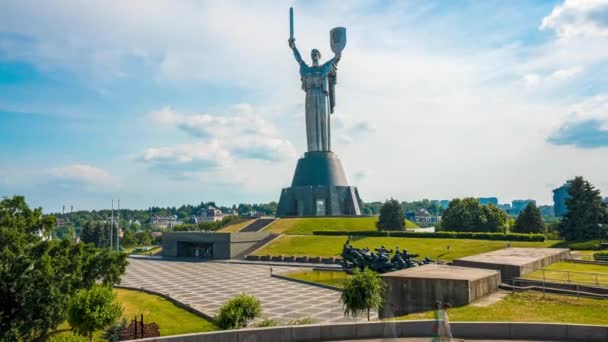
439 235
603 256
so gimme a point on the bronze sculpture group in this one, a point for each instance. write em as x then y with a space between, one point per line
380 261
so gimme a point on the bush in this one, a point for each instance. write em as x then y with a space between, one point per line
439 235
362 293
237 311
603 256
93 309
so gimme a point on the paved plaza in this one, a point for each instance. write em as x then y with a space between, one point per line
207 285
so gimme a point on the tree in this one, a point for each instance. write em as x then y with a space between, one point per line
362 292
391 217
38 276
467 215
237 311
128 239
529 220
587 216
93 309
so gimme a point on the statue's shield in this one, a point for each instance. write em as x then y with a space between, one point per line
337 39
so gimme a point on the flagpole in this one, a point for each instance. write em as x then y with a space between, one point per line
118 228
112 225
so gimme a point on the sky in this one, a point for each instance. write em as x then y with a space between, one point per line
169 102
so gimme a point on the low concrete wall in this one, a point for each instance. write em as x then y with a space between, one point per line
392 329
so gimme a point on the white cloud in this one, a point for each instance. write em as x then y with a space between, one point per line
578 18
186 157
82 174
534 80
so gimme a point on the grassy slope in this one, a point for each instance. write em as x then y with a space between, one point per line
171 319
309 225
580 273
531 307
305 245
235 227
332 278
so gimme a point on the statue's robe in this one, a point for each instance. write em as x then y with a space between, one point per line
315 82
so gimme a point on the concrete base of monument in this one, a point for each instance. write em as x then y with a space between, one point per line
417 289
319 188
515 261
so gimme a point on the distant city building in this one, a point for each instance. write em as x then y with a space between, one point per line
211 214
559 199
506 207
488 200
422 216
165 222
444 204
517 206
546 210
61 222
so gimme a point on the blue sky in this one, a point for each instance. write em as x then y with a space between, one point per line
171 102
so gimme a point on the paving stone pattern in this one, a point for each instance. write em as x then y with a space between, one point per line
206 286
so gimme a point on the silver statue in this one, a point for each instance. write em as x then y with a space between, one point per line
318 81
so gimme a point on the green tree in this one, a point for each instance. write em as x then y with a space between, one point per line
38 276
587 216
391 217
467 215
362 292
238 311
93 309
529 220
128 239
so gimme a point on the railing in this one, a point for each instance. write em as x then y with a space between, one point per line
568 277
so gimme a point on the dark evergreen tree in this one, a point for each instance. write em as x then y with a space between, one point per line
529 220
391 217
587 216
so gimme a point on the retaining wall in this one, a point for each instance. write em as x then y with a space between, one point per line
392 329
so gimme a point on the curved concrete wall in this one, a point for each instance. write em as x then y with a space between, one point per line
391 329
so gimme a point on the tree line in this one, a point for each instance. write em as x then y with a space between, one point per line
587 216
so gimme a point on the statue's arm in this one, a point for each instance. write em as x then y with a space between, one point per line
332 65
296 53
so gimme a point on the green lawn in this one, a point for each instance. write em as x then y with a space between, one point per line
306 245
331 278
578 273
171 319
531 307
308 225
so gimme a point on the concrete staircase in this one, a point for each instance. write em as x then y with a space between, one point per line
258 225
256 246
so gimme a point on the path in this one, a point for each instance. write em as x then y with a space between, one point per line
207 285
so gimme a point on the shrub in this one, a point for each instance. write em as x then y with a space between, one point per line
600 256
238 311
362 292
439 235
93 309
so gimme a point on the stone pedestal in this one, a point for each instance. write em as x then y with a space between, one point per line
417 289
319 188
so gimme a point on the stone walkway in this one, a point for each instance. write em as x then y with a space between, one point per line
207 285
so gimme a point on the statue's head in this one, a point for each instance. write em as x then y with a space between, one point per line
315 55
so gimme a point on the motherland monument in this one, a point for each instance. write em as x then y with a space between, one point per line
319 186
